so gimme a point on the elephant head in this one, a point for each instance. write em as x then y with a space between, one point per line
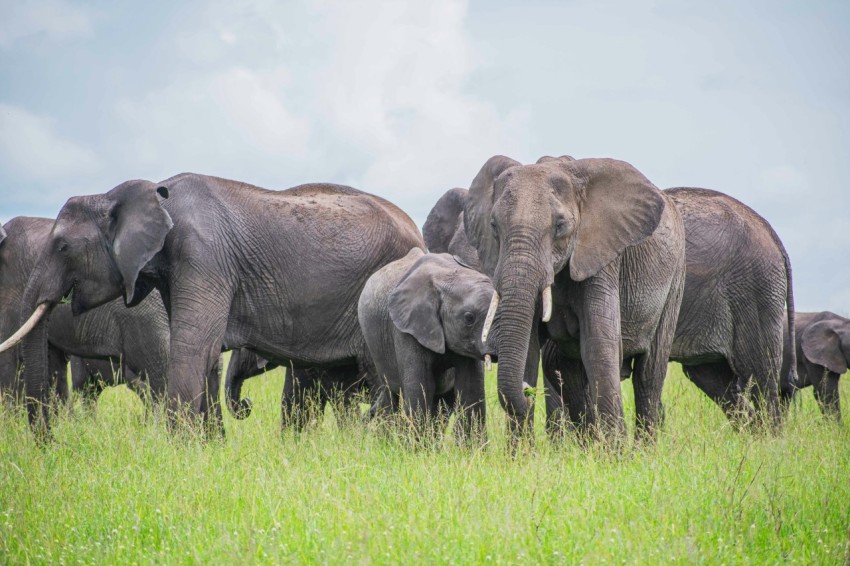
443 304
827 343
95 251
530 222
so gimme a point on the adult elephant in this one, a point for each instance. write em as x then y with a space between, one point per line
729 330
306 391
110 336
278 272
821 353
597 252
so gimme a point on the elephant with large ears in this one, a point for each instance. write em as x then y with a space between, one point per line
103 339
306 391
278 272
596 251
423 317
821 352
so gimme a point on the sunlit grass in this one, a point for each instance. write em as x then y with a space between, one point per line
114 487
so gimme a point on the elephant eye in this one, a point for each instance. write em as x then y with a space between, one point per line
468 318
493 224
561 227
62 247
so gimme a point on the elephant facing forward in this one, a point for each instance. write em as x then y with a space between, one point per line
423 317
594 250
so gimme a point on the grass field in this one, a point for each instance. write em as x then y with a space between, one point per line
115 487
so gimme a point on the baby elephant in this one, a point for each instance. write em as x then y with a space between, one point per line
823 356
422 317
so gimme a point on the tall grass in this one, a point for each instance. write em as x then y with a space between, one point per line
115 487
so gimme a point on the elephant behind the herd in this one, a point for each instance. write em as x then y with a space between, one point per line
118 344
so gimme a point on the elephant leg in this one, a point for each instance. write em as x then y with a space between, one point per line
301 402
650 369
826 393
469 386
57 367
764 389
211 403
602 355
717 380
567 404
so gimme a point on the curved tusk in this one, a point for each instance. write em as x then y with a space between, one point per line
13 340
547 303
491 314
488 362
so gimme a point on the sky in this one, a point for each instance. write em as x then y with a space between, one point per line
409 99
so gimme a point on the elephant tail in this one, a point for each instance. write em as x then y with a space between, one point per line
792 377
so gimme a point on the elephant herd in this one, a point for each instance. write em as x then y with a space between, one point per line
582 264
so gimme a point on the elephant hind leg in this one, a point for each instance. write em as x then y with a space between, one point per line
303 398
718 381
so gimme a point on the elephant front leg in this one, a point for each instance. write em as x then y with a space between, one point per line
302 401
602 354
197 332
469 384
567 401
826 393
418 384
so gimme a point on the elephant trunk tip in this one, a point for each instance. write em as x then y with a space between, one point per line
240 409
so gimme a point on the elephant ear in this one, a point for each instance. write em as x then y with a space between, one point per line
822 346
140 225
548 158
619 207
479 206
443 220
414 307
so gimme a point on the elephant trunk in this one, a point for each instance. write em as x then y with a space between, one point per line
519 283
34 351
236 374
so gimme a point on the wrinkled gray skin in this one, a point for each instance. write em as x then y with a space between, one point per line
822 356
612 247
729 332
278 272
444 230
422 317
319 385
110 336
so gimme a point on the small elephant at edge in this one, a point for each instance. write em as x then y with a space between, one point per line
823 356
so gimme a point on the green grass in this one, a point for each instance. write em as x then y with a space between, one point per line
115 487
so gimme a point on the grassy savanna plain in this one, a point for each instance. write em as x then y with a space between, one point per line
115 487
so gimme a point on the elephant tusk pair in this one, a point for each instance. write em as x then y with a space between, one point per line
547 303
491 315
15 338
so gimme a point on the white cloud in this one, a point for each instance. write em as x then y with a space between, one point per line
31 148
53 18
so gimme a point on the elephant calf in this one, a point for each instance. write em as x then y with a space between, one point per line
422 317
822 357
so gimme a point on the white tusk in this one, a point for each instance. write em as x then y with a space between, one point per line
491 314
547 303
488 362
13 340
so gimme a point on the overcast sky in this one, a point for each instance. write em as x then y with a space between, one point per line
408 99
